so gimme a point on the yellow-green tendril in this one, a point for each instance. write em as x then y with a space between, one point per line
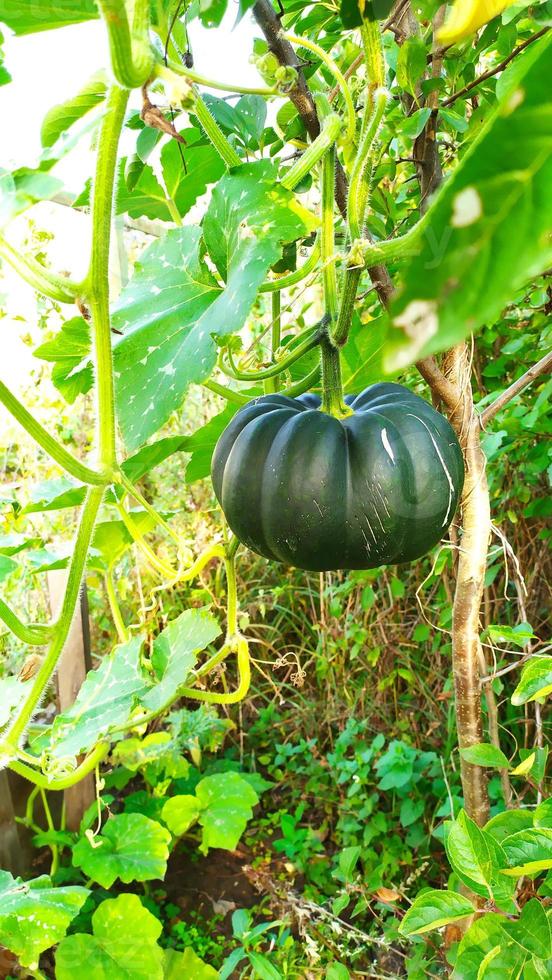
56 287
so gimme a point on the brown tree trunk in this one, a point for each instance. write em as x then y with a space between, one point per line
470 577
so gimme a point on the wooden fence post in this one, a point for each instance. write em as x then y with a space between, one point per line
73 666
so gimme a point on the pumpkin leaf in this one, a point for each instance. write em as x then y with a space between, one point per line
61 117
175 653
28 17
34 915
130 847
487 230
173 307
226 801
113 950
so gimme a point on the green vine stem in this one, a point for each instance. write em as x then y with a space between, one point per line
50 445
35 634
373 53
97 289
131 52
357 204
314 152
156 563
63 625
304 384
304 42
87 766
97 281
272 384
293 278
58 288
231 396
140 499
114 606
213 131
359 182
275 369
327 238
332 388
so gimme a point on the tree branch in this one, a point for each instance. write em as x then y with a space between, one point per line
494 71
544 366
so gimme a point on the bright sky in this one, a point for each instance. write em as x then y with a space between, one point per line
46 69
51 66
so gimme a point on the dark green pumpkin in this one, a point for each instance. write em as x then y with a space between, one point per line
302 487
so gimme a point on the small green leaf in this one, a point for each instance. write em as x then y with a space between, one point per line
479 942
535 681
508 823
61 117
123 945
34 915
469 852
433 909
70 353
527 852
175 653
411 63
130 847
484 754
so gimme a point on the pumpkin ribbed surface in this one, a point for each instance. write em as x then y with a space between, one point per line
302 487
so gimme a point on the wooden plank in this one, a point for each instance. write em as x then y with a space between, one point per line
13 853
72 669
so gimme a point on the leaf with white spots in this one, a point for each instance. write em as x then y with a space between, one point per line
130 847
487 231
34 915
173 306
121 684
123 945
226 800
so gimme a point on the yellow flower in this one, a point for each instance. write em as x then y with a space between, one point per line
467 16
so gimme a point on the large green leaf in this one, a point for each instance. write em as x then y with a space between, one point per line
531 930
433 909
535 681
123 945
488 230
12 693
175 653
29 17
105 701
479 942
165 347
110 694
130 847
34 915
173 306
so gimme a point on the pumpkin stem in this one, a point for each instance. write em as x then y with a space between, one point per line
332 387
